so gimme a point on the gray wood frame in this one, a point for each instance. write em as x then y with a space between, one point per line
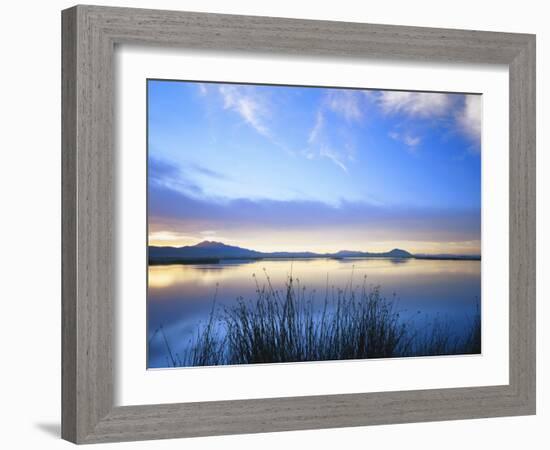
89 36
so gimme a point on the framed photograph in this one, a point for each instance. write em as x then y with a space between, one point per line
268 222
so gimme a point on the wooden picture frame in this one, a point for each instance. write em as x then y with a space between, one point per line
90 34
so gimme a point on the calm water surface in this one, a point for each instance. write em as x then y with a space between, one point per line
180 296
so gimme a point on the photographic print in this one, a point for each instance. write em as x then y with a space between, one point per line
290 224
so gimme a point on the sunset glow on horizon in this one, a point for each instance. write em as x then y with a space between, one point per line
296 243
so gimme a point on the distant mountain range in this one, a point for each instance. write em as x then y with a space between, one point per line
211 251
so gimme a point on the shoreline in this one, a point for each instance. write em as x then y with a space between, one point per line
191 261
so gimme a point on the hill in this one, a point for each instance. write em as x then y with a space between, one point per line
212 251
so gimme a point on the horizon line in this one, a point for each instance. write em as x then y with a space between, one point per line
315 252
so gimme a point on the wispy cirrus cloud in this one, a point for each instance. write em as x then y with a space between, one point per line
418 104
411 141
248 104
346 102
337 104
408 139
315 132
319 145
334 156
203 89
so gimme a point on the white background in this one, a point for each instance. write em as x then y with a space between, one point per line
30 223
135 386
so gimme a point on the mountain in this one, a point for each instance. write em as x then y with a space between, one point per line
214 251
203 250
211 244
398 253
395 253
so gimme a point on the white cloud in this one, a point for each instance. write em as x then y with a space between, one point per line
469 118
394 135
248 105
420 104
426 104
203 90
346 103
317 128
409 140
319 145
334 156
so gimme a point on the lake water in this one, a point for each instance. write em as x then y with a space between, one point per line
180 296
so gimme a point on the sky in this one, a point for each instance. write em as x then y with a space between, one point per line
286 168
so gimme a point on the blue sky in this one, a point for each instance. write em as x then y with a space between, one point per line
300 168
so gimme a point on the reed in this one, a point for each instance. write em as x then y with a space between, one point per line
355 322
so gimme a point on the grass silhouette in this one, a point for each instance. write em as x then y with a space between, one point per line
356 322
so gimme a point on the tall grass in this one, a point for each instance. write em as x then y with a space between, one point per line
285 326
